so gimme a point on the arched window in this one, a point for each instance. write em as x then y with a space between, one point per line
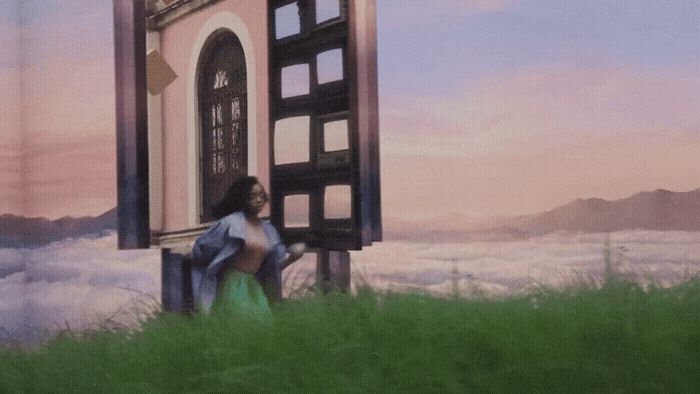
223 111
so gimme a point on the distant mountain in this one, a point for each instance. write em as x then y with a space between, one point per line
659 210
18 231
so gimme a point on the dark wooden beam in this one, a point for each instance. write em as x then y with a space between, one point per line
363 109
131 123
373 91
333 271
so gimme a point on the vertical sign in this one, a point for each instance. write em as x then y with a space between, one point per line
131 123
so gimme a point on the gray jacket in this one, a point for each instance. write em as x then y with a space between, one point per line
221 241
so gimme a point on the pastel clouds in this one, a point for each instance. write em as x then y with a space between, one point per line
489 5
77 282
521 138
68 113
56 98
559 101
71 174
502 268
69 142
420 10
420 186
64 97
590 100
445 7
10 114
529 141
81 281
9 43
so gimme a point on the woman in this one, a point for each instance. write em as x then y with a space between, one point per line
238 262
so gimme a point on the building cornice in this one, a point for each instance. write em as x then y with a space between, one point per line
162 13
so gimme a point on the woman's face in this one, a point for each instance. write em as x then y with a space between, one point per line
257 199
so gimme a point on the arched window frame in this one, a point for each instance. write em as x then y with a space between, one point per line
221 84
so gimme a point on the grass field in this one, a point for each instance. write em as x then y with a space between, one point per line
618 338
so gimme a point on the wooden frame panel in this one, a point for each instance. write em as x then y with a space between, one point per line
350 99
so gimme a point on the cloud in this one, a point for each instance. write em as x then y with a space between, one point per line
558 102
532 140
488 5
10 106
9 44
416 184
29 12
418 10
58 181
11 141
12 261
57 29
508 267
66 97
69 120
67 94
74 281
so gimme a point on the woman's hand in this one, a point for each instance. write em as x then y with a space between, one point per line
295 251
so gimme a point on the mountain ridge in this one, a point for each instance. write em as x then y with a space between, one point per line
659 210
28 232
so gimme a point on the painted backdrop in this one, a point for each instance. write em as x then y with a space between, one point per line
514 134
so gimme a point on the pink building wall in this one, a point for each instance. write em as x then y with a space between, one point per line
177 43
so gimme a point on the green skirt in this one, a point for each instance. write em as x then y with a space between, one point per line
241 292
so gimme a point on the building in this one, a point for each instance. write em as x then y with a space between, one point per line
208 90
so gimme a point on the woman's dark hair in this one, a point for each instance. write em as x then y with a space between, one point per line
236 197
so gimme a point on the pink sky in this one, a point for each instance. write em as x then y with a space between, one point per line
516 141
66 105
10 143
536 139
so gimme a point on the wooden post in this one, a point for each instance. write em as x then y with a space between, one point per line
176 280
131 123
333 270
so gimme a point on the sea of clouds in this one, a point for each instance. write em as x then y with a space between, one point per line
74 284
556 260
79 283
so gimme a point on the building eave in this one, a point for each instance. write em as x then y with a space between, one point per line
160 15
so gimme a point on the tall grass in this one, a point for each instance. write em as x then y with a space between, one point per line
620 338
618 335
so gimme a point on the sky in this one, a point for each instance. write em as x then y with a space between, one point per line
487 107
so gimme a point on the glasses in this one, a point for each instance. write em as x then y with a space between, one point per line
254 196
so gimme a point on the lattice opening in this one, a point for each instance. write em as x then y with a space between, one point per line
292 140
287 21
335 136
327 10
296 211
295 80
337 202
330 66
